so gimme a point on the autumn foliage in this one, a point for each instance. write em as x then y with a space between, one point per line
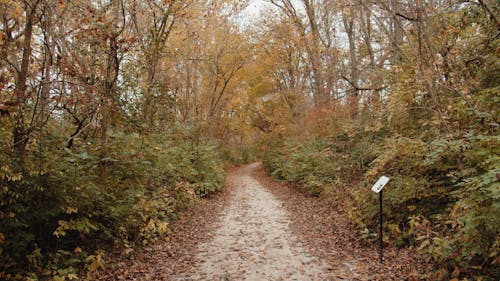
117 116
101 145
428 120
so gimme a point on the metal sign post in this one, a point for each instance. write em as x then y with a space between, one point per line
377 188
381 241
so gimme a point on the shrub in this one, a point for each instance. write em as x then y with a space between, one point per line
442 198
59 219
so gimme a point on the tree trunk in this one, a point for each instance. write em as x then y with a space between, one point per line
320 95
20 134
397 30
353 98
109 84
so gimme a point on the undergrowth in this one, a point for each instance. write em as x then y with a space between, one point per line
58 220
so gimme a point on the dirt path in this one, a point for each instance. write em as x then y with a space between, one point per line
258 229
254 242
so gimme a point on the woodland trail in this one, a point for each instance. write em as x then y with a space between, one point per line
254 241
258 229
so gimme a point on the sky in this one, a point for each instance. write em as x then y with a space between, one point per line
253 11
255 7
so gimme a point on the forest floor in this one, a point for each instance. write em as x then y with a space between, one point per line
262 230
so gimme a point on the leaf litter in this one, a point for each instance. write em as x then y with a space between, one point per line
258 229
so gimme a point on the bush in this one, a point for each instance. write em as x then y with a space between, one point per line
442 198
58 220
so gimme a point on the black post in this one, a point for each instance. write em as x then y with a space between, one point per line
381 242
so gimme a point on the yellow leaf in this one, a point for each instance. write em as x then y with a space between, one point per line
71 210
77 250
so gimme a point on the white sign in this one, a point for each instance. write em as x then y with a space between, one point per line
377 187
